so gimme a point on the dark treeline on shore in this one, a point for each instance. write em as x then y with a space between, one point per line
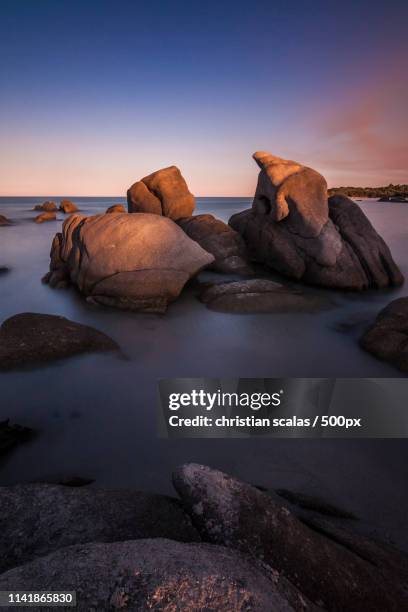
390 191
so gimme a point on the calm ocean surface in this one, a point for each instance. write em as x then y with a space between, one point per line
96 414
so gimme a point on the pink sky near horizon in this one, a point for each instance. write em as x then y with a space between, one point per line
354 131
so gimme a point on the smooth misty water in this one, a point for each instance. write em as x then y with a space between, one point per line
96 414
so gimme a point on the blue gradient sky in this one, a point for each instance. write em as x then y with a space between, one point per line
94 95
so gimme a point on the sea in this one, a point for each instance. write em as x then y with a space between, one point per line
95 415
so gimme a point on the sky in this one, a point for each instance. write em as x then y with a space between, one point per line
94 95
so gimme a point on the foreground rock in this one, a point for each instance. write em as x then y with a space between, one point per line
37 519
229 512
46 206
68 207
4 220
164 192
296 231
4 269
387 338
30 338
11 436
220 240
151 574
116 208
45 216
257 296
137 262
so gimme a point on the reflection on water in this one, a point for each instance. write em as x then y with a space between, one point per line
96 414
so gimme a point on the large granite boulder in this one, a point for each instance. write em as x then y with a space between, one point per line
296 231
137 262
220 240
151 574
164 192
235 514
68 207
37 519
31 338
288 190
387 338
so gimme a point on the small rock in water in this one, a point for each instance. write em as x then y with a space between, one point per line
45 216
387 338
4 269
68 207
46 206
11 435
116 208
4 220
31 338
258 296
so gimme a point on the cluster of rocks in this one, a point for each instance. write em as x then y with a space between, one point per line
295 229
142 261
223 545
48 210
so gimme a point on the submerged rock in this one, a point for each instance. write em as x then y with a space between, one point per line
4 220
235 514
12 435
137 262
116 208
296 231
68 207
220 240
387 338
151 574
31 338
257 296
46 206
164 192
45 216
37 519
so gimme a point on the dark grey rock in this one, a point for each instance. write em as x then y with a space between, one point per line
155 574
258 296
12 435
219 239
4 220
235 514
387 338
37 519
31 338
